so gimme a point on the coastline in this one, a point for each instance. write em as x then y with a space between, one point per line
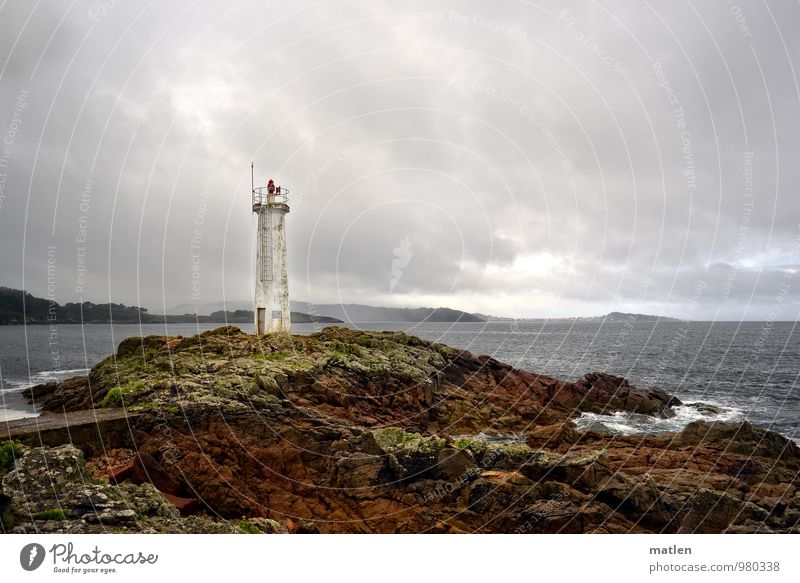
353 431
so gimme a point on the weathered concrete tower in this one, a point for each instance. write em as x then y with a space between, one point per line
271 309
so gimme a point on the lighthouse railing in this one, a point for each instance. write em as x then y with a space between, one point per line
262 196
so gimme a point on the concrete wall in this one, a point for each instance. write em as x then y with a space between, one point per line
90 430
272 281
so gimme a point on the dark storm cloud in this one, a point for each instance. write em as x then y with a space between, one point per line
513 159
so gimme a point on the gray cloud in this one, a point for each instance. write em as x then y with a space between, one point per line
541 160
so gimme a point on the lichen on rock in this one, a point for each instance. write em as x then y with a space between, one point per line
354 431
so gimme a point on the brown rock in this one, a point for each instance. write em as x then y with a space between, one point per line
186 506
739 437
552 436
146 470
295 435
120 473
605 393
454 463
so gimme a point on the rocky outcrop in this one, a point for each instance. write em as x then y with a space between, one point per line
604 393
553 436
49 490
350 431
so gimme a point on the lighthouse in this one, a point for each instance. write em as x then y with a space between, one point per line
271 308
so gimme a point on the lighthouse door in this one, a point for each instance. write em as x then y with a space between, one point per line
262 312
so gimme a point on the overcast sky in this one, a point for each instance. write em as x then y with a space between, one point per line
514 158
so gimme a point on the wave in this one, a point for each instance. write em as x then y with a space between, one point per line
41 377
14 414
625 423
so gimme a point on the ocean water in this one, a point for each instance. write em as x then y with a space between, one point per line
749 369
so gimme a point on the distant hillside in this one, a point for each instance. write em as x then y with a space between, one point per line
18 307
365 314
39 310
626 317
351 312
610 317
246 316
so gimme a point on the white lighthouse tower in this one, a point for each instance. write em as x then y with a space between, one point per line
271 309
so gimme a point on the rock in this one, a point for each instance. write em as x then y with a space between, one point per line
307 528
707 408
712 512
552 436
269 526
42 475
185 506
605 393
111 516
386 440
739 437
640 500
49 491
453 462
581 470
120 473
146 470
349 431
497 455
360 475
70 395
410 455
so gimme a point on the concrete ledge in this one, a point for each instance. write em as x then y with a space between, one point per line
96 429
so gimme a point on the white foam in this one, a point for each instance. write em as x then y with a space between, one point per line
625 423
58 373
41 377
12 414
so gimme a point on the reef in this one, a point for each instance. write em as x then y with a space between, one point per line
376 432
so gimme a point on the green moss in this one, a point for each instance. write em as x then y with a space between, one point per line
125 395
343 350
114 398
426 445
500 455
248 527
52 514
389 437
9 452
398 441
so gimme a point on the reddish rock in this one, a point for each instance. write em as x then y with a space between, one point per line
453 463
186 506
605 393
147 470
553 436
120 473
294 436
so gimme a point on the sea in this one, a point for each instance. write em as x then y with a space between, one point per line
749 370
